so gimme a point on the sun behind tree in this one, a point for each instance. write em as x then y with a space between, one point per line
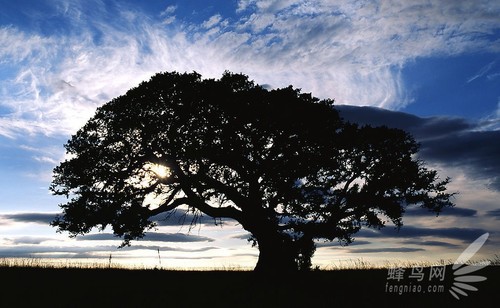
160 170
281 163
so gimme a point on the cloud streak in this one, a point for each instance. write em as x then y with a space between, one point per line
485 69
150 236
454 211
408 232
39 218
385 249
97 251
494 213
33 240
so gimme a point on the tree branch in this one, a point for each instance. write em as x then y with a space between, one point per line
196 201
168 207
230 192
216 212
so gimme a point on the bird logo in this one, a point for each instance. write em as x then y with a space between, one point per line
464 274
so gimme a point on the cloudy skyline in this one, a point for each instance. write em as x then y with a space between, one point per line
429 67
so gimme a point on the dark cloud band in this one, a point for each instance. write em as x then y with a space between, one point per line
449 141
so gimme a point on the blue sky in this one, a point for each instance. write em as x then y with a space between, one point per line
430 67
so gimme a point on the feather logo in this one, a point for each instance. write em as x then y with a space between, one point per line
464 274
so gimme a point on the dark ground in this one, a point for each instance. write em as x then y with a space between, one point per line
39 287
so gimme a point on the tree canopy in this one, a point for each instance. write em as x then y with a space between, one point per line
280 162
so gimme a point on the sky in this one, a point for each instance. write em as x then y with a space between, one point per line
429 67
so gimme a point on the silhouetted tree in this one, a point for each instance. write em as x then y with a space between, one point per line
281 163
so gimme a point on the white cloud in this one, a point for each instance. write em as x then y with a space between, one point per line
45 154
350 51
16 46
50 96
167 14
169 20
212 21
355 51
169 10
243 5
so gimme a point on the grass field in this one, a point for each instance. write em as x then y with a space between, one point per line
43 286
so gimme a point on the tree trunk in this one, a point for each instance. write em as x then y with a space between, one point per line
276 254
279 252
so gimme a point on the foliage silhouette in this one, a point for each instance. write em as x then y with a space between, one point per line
281 163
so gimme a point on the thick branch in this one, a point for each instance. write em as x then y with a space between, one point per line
194 200
216 212
230 192
167 206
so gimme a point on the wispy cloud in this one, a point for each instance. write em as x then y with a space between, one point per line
169 10
485 69
351 51
17 46
31 250
61 80
44 154
493 76
429 243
